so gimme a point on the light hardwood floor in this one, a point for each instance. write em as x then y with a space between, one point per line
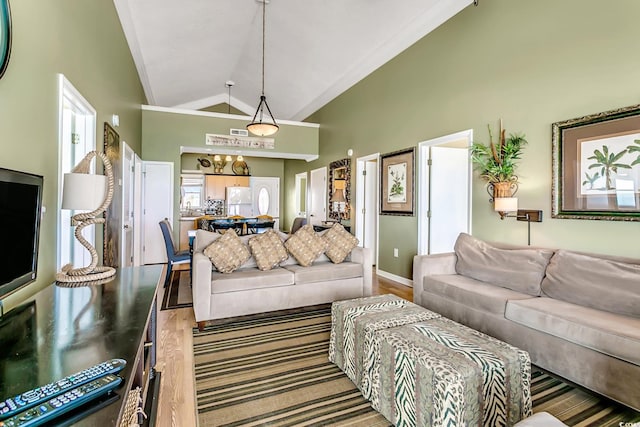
177 400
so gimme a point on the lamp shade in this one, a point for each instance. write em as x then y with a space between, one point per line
83 191
339 184
338 197
505 204
262 128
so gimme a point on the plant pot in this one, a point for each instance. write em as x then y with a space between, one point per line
503 189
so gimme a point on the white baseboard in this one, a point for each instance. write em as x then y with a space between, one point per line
395 278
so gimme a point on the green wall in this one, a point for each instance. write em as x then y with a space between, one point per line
84 41
165 132
531 63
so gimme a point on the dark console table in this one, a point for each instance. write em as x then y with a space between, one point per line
61 331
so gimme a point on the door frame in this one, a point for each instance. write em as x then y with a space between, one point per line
423 180
137 211
360 200
323 197
128 176
299 177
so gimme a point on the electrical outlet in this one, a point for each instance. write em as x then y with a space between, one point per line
395 252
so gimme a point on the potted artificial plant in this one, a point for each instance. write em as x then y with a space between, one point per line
497 162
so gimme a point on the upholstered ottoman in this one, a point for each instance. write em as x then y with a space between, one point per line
541 419
343 315
441 373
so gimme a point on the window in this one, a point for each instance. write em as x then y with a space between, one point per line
191 191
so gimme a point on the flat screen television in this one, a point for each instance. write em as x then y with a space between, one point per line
20 213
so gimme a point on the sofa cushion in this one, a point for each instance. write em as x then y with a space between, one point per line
599 283
305 245
471 292
520 270
324 271
608 333
227 252
340 243
268 250
245 279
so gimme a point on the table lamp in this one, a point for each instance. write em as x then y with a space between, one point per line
93 193
338 197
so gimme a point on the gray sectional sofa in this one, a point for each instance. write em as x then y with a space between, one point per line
249 290
578 315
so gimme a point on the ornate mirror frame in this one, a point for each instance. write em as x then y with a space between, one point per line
340 170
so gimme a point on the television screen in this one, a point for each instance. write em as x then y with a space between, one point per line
20 208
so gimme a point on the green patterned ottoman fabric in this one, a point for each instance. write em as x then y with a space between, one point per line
343 314
441 373
367 340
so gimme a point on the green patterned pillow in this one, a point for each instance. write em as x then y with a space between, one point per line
268 250
305 245
228 252
340 243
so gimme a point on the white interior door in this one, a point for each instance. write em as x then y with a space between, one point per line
318 196
265 195
366 211
128 191
444 198
448 197
137 211
157 205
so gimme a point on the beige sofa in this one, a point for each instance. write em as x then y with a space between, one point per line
249 290
578 315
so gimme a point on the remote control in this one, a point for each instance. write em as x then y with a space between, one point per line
30 398
60 404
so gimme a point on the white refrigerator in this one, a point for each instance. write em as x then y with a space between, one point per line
238 201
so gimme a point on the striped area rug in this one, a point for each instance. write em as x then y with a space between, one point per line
272 369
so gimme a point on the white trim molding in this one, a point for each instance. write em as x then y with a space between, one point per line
395 278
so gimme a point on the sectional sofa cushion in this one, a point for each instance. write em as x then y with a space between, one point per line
204 238
268 250
608 333
227 252
520 270
249 279
340 243
324 271
599 283
471 292
305 245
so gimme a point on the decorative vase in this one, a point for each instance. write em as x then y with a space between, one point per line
502 189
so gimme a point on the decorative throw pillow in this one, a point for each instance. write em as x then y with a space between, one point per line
305 245
268 250
228 252
340 242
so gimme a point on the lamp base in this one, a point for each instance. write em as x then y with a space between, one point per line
97 275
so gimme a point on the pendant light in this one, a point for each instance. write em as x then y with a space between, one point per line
257 125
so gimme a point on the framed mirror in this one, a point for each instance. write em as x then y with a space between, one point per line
340 190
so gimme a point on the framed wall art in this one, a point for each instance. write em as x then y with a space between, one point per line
596 166
397 182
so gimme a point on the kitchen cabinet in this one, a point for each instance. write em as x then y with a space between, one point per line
185 226
215 185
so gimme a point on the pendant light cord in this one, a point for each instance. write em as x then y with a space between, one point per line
264 8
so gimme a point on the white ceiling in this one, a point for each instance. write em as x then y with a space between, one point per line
186 50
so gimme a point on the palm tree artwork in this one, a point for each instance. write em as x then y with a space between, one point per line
608 163
590 180
635 149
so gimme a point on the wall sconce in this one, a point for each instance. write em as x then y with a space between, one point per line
504 205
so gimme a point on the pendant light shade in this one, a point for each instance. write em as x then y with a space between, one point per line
263 124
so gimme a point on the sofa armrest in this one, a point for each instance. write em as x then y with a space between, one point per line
201 286
363 256
429 265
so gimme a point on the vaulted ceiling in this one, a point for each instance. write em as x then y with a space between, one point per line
185 51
